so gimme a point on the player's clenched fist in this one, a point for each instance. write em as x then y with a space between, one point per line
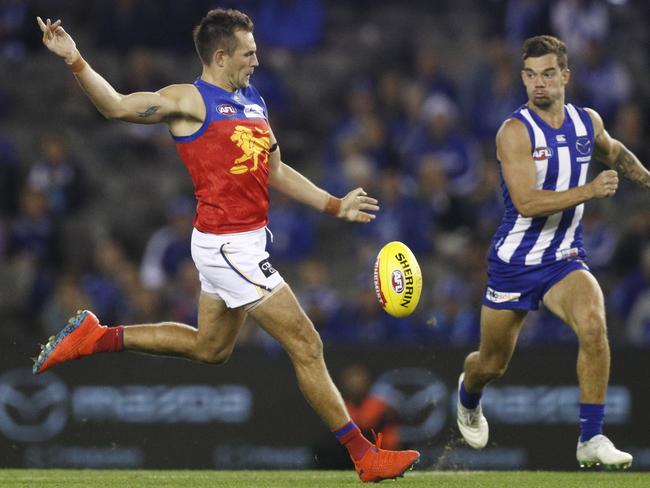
605 184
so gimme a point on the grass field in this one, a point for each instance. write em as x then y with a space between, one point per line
327 479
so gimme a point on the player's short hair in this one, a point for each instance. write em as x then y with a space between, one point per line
217 31
537 46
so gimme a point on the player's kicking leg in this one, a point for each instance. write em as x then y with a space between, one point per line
283 318
499 331
586 316
211 343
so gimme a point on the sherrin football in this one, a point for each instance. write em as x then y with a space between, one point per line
398 279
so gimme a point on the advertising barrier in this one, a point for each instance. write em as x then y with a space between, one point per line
136 411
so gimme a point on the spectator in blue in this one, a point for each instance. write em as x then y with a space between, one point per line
524 19
439 137
58 175
453 319
359 105
169 246
603 82
494 91
599 237
33 245
103 284
319 299
290 24
32 233
362 320
430 75
577 22
402 218
293 230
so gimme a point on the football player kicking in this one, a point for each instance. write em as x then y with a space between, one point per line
222 134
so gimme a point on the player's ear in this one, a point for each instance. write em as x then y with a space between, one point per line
219 57
566 75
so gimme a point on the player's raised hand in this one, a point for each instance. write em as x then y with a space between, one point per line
356 205
57 40
605 184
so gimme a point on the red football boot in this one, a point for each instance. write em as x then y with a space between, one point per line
380 464
77 339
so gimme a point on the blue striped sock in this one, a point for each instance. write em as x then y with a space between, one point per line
592 416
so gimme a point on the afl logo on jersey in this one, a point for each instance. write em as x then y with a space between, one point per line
583 145
226 109
542 153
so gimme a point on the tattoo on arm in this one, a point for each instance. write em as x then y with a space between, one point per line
631 168
149 112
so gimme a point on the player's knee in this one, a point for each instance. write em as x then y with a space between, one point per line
494 368
308 346
593 335
211 355
591 327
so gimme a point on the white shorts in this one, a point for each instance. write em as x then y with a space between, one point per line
235 267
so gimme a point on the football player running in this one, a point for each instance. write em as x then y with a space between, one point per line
544 149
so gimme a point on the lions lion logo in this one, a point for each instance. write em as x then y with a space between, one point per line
254 145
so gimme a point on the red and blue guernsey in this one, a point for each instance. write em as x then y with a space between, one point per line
228 160
562 159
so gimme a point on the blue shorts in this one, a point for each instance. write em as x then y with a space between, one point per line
515 287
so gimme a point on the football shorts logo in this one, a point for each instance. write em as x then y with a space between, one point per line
583 145
397 281
267 268
542 153
226 109
254 143
501 296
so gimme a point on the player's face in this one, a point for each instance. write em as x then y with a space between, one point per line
243 61
544 80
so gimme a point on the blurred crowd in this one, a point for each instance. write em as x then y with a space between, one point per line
404 100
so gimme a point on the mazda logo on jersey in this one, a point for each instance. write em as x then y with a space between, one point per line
226 109
583 145
542 153
32 408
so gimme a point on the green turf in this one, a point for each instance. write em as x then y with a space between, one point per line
335 479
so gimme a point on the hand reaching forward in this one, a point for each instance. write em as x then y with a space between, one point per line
353 205
58 40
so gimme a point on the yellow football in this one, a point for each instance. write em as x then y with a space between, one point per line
398 279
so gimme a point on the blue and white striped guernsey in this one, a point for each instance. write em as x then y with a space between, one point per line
562 159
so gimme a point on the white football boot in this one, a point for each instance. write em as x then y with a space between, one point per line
599 451
471 422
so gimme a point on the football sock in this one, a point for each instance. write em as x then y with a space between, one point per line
353 440
591 420
467 399
111 341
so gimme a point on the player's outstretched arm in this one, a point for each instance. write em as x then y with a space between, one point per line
356 206
614 154
519 172
142 107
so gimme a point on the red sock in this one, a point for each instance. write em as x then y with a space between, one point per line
351 437
111 341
